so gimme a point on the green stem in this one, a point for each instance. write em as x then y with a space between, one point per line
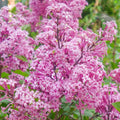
0 68
80 114
95 116
114 51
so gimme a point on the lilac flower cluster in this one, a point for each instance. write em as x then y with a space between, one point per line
67 63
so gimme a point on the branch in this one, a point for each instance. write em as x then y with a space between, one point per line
58 33
50 77
109 108
114 50
95 116
54 68
0 67
95 6
80 114
1 70
60 117
78 59
90 47
59 38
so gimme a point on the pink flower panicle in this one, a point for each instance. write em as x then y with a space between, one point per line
108 95
109 32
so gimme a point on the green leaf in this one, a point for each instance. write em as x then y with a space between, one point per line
114 65
67 108
52 115
63 100
1 88
116 105
33 34
37 46
8 86
2 115
27 28
13 10
88 114
5 75
66 118
85 118
21 82
23 58
25 74
61 111
75 116
36 99
13 107
4 103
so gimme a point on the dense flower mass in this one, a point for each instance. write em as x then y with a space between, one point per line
115 74
63 60
14 44
104 106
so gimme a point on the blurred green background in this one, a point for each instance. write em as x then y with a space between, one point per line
3 3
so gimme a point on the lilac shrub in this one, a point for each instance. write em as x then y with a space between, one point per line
66 62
